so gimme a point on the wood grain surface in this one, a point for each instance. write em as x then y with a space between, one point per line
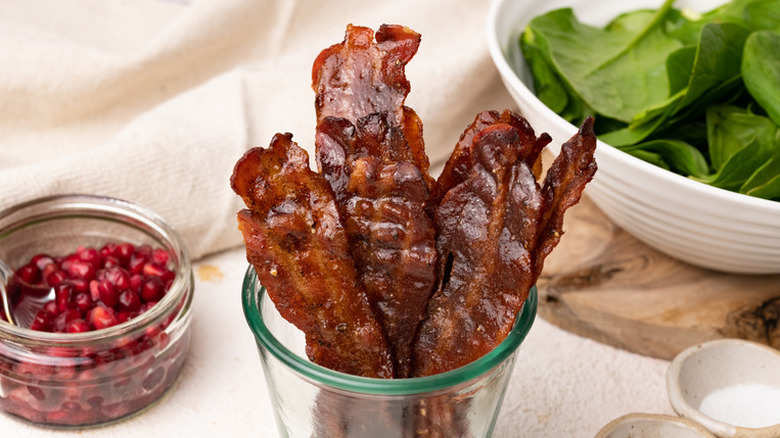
602 283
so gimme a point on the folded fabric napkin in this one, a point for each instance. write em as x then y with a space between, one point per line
153 101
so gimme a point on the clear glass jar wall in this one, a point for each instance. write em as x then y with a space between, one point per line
310 400
79 379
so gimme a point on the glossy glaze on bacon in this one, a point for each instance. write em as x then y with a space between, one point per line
461 161
574 167
296 242
487 231
392 242
370 149
495 228
361 87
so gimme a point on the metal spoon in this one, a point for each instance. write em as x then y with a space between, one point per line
5 274
23 314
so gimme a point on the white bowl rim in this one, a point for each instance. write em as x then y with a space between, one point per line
682 407
499 57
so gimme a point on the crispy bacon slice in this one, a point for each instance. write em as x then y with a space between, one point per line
487 229
364 83
358 76
393 244
495 228
370 149
574 167
458 166
296 243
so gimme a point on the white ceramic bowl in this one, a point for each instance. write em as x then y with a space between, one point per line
729 386
691 221
652 425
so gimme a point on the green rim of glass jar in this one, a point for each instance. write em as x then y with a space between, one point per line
252 297
109 209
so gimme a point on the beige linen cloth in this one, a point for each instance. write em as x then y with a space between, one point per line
153 101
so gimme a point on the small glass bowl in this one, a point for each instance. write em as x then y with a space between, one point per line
310 400
81 379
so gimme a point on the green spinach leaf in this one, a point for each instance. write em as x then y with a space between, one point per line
740 143
618 71
761 71
677 156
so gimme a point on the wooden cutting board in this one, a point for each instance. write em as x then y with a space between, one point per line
604 284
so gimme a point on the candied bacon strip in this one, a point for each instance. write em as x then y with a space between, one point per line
487 229
458 166
358 76
296 243
370 149
499 202
339 143
381 200
572 169
364 83
392 241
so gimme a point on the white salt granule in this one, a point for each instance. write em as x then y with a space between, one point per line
750 405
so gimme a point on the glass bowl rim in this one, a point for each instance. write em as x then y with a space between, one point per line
101 207
367 385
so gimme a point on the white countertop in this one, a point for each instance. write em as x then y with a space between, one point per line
563 385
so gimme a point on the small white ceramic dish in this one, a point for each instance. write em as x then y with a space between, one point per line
688 220
729 386
640 425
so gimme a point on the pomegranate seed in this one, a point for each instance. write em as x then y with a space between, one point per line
136 263
55 278
108 250
111 262
95 400
83 301
124 251
168 277
118 277
62 320
81 269
77 325
102 317
29 274
163 341
42 321
160 257
51 307
150 269
90 255
79 284
63 293
42 261
57 417
108 294
71 406
129 300
68 260
125 315
36 392
48 269
94 291
152 289
135 282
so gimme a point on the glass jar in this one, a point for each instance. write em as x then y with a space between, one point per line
313 401
94 377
